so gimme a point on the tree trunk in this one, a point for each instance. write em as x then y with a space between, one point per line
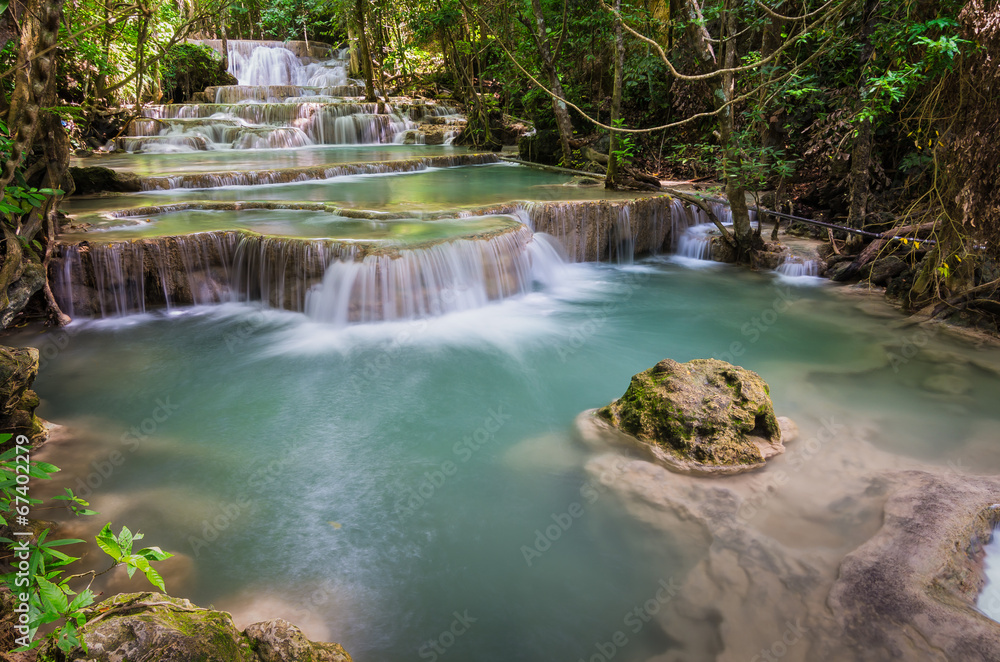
736 193
364 54
57 150
616 99
224 65
101 84
559 108
34 79
861 152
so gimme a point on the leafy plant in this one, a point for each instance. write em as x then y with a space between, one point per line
625 143
39 565
119 548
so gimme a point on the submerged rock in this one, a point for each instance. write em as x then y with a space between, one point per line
142 627
897 578
705 416
910 592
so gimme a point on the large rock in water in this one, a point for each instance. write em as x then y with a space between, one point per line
703 417
98 179
152 627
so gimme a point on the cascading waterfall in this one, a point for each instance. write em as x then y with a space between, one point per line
693 229
600 230
285 99
267 65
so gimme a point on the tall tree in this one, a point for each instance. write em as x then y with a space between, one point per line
364 51
616 98
548 55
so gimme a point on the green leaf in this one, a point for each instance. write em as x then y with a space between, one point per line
85 599
52 596
63 541
154 554
125 541
107 542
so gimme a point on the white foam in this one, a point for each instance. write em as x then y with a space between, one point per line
989 597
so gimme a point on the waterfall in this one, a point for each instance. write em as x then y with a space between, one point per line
447 277
284 99
600 230
794 266
261 64
333 281
341 281
696 242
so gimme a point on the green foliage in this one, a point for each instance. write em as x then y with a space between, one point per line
625 145
19 198
189 68
40 566
430 24
906 56
119 548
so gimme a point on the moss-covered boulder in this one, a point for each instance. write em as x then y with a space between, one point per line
18 369
152 627
280 641
705 416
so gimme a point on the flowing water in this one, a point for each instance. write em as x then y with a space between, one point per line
393 461
372 480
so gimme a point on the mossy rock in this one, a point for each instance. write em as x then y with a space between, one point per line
18 369
704 416
152 627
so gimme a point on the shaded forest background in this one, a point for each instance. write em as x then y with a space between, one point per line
874 115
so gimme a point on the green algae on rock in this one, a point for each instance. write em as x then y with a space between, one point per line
705 416
142 627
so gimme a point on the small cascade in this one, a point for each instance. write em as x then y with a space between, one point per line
424 282
695 242
599 230
121 278
623 246
286 98
548 259
794 266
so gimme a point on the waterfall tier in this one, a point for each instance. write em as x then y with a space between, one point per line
333 280
308 173
481 257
